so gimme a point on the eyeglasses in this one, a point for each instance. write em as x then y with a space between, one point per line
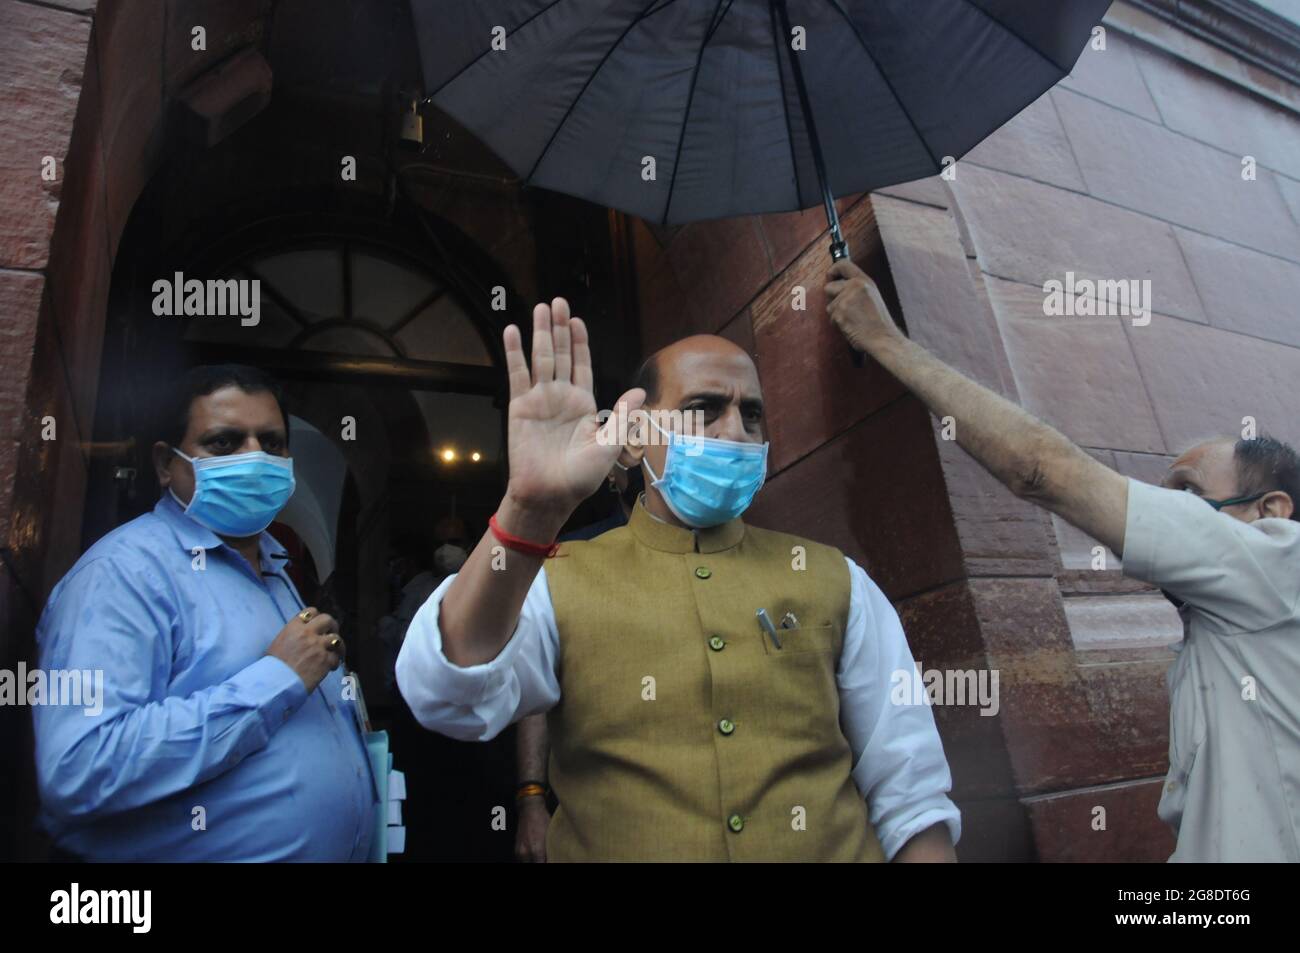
1220 504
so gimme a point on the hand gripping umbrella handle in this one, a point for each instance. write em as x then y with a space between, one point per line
839 252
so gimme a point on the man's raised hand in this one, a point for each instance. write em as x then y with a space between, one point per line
559 450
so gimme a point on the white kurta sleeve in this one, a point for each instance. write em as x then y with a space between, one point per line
1244 576
898 760
476 702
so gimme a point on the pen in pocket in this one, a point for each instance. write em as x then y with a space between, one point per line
768 627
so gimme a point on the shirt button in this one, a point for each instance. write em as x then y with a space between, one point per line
716 643
726 726
703 572
736 823
1170 786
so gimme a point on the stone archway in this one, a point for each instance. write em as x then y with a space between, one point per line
107 90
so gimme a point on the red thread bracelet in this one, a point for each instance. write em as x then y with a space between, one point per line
540 550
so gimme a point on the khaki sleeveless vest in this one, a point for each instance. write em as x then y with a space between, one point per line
683 733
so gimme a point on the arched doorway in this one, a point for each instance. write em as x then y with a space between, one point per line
147 197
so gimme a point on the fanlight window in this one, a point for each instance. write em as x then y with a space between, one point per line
349 298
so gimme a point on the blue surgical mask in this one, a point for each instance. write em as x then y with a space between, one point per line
708 481
239 494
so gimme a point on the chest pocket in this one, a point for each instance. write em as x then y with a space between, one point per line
821 639
795 688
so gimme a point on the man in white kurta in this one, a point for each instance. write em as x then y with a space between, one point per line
1233 790
1221 536
898 760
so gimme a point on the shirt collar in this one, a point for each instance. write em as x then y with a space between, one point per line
656 534
191 535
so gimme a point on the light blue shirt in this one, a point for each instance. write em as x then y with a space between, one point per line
195 714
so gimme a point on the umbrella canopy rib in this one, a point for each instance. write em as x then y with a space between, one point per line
429 94
938 165
714 22
645 12
785 99
718 22
810 121
1002 26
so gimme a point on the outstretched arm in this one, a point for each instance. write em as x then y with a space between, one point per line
559 453
1030 458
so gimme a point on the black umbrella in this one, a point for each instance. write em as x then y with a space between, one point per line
682 110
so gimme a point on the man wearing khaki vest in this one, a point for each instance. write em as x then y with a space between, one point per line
682 726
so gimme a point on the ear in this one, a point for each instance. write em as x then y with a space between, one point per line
632 452
162 458
1277 504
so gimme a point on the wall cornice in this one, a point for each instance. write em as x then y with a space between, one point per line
1240 27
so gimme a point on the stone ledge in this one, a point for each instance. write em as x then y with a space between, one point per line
1258 40
1241 27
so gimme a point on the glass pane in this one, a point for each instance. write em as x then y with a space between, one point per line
443 332
384 292
274 328
310 278
464 424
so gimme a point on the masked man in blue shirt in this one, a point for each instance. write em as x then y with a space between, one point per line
227 732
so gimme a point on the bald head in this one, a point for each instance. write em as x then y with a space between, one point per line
709 374
1206 469
649 375
1226 468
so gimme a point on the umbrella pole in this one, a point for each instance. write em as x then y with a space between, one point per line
839 247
